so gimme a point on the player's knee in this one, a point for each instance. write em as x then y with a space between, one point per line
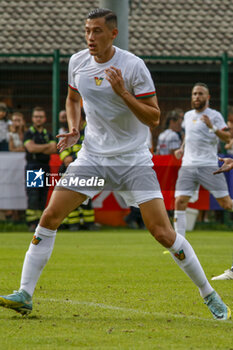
180 203
50 218
163 235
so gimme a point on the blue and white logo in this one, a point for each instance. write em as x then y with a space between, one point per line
35 178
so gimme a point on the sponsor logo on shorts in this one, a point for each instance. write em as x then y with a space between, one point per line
180 255
36 240
98 81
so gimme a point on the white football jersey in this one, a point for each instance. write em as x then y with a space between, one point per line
168 140
201 145
111 127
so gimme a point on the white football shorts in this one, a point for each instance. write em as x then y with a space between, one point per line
130 175
191 177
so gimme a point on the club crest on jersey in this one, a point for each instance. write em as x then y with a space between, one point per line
36 240
180 255
98 81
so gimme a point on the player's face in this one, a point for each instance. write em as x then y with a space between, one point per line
99 37
38 118
200 98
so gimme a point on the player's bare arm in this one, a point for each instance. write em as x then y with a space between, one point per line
73 110
146 110
178 153
227 165
224 135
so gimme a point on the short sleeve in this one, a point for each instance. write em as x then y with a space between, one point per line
219 121
71 81
143 85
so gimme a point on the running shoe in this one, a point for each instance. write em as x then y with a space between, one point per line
20 301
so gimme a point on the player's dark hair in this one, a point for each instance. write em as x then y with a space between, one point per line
171 115
109 15
201 84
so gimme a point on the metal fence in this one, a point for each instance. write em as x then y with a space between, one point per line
26 85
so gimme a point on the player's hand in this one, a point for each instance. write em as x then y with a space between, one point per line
178 153
114 77
69 139
207 121
227 165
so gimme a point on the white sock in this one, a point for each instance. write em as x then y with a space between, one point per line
36 258
180 221
184 255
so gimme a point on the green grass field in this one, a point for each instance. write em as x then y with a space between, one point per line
115 289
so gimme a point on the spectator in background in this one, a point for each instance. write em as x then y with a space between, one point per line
4 127
16 132
171 139
39 144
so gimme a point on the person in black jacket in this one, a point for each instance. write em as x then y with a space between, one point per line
39 144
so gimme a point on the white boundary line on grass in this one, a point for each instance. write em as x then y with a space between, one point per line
124 309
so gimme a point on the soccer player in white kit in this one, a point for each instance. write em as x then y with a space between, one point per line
203 129
120 103
169 140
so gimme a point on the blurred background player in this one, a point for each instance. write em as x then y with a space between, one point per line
203 129
39 144
83 217
171 138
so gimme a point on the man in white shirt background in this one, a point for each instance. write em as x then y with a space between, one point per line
204 127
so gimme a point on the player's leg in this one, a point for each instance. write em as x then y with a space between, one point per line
156 220
62 202
186 186
225 202
181 203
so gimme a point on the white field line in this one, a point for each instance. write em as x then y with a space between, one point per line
128 310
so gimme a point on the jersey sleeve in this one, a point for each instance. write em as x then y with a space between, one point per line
71 82
219 121
143 86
